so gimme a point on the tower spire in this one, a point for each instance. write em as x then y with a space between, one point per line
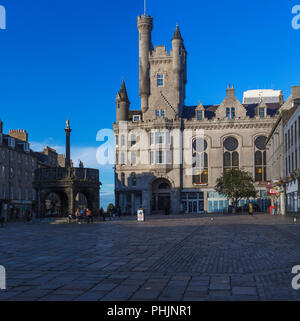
145 8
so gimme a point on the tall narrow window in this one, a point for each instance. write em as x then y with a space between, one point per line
123 179
122 158
199 114
200 161
230 156
260 159
230 113
160 80
133 157
162 112
133 179
133 139
152 138
122 140
261 112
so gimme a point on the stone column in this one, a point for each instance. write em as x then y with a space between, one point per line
205 194
68 143
283 202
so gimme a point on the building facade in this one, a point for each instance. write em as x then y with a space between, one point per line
17 167
169 155
283 154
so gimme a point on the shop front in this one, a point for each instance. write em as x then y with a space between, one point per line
192 202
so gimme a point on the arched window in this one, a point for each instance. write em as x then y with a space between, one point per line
123 179
230 156
260 159
200 161
163 186
133 179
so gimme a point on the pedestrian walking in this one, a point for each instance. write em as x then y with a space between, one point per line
78 216
89 216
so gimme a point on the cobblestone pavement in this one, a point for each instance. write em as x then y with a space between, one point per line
174 258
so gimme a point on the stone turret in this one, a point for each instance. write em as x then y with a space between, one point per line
145 27
122 103
179 67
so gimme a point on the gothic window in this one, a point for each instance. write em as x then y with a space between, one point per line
160 80
163 186
230 113
163 113
133 157
132 139
199 114
133 179
260 159
157 113
200 161
122 158
231 144
230 156
261 112
123 179
151 138
122 140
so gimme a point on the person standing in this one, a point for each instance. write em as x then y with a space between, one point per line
250 209
78 216
89 216
119 212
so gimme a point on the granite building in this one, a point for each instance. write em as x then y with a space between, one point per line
169 155
17 167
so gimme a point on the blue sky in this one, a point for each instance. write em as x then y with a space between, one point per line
66 59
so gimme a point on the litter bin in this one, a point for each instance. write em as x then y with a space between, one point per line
141 215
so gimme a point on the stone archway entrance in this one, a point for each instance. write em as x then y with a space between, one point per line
161 196
55 203
67 183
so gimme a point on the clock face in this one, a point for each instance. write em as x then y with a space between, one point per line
260 142
231 144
